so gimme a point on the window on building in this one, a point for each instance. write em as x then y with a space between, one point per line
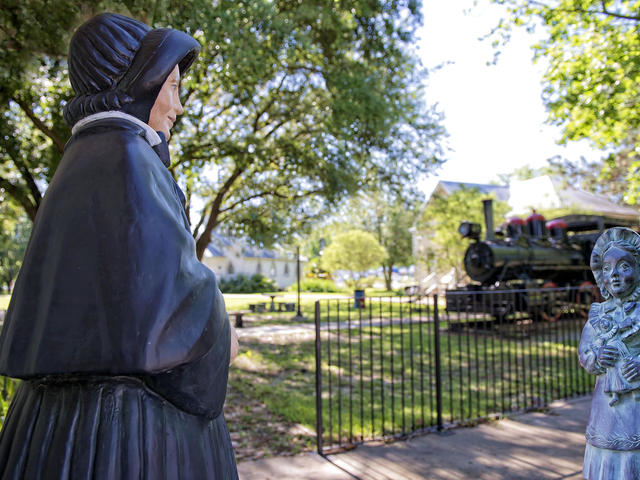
259 268
230 269
286 269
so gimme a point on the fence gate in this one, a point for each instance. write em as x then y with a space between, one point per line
401 365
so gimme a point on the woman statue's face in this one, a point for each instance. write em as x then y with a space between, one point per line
167 106
619 272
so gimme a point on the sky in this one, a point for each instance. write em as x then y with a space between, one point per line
494 114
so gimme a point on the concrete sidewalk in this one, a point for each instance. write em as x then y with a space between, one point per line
529 446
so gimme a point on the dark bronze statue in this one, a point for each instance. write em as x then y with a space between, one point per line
610 349
119 333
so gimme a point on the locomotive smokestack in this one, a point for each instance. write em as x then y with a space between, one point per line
487 205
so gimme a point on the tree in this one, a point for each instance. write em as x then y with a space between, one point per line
15 228
440 221
389 216
355 251
591 85
291 106
604 177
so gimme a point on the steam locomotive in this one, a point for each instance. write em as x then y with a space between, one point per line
529 254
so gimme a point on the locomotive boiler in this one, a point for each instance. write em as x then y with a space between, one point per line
532 252
527 254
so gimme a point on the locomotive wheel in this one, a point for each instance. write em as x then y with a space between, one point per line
551 309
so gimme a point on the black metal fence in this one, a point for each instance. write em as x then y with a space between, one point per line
402 365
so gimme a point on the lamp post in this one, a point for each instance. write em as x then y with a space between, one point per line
298 315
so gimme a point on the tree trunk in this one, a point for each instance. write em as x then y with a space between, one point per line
205 238
388 276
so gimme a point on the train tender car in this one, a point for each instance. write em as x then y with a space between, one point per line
530 254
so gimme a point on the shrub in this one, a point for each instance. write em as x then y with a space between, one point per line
8 387
315 285
256 283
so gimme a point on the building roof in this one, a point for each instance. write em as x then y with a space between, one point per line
214 251
547 193
500 191
253 252
219 243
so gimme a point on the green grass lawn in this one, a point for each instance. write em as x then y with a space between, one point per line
4 301
392 390
378 382
241 301
336 305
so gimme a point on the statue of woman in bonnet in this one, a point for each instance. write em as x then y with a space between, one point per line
119 333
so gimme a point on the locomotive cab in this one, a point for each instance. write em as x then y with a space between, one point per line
470 230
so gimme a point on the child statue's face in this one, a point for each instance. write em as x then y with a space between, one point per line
620 272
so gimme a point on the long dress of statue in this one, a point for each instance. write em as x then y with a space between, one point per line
610 349
118 331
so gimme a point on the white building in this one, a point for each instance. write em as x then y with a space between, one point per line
547 193
228 257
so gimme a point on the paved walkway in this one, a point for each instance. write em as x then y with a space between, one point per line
306 331
276 330
536 445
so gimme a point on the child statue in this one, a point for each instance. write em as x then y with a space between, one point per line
610 349
119 333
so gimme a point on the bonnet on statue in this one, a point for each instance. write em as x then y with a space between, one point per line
623 238
118 63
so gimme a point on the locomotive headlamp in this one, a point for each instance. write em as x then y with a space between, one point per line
470 230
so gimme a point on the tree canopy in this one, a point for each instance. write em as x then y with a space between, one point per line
355 251
15 229
290 107
592 83
389 217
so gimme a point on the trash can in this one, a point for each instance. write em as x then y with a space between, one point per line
358 299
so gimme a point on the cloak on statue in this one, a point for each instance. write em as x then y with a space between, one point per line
119 332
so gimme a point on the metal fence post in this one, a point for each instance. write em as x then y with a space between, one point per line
318 380
436 326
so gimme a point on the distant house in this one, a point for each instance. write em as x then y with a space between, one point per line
228 257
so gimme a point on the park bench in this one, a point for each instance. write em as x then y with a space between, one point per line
286 306
258 307
237 317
